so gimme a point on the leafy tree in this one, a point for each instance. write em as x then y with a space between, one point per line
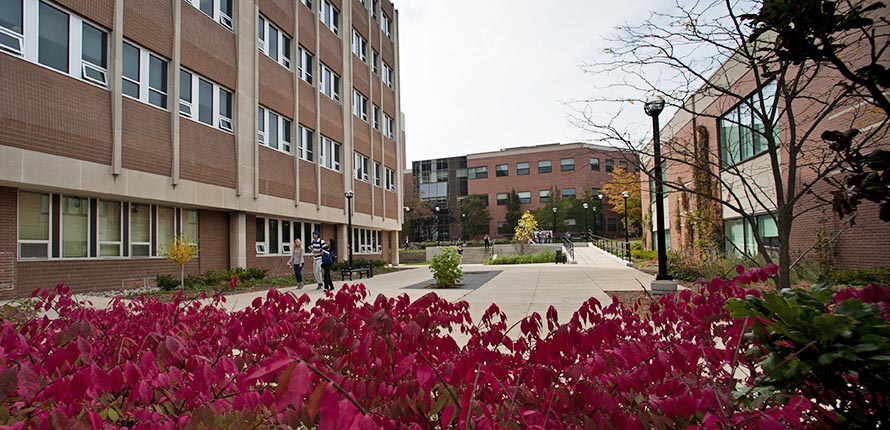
446 267
526 228
180 252
417 217
478 219
565 209
514 210
621 181
708 62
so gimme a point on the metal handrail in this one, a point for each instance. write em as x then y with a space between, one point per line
570 247
614 247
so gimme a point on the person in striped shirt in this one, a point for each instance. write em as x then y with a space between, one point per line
316 247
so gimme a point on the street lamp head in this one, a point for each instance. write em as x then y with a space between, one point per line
554 210
585 205
407 209
654 104
594 208
599 196
463 215
349 194
625 194
437 209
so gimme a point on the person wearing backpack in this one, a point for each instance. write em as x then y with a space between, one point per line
327 260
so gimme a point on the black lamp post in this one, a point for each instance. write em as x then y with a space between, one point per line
654 106
554 222
438 240
602 213
463 227
585 205
626 233
349 194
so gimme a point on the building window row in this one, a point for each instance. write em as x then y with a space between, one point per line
63 226
218 10
367 241
214 102
276 236
360 167
742 133
740 235
273 130
274 42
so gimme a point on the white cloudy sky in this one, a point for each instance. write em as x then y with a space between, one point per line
482 75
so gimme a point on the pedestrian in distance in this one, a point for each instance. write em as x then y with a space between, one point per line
487 241
296 261
327 260
317 246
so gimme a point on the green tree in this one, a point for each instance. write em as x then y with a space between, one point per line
514 210
417 217
526 228
180 252
620 182
478 219
565 209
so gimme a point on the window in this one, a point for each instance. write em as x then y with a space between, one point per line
273 130
388 78
374 9
484 199
306 144
166 228
545 166
218 10
622 164
595 164
214 101
366 241
275 236
388 127
522 169
610 165
359 105
567 164
274 42
44 34
376 174
262 243
305 65
359 46
501 170
307 3
376 117
330 83
386 25
477 172
34 225
110 229
144 76
740 235
330 154
375 62
330 16
501 199
190 226
390 179
75 226
502 228
568 193
525 197
140 230
360 167
742 133
544 196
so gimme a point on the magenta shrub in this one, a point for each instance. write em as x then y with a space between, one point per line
352 363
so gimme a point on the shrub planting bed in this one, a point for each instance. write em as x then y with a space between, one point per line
356 362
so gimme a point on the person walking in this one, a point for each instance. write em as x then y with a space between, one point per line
327 260
296 261
487 241
317 246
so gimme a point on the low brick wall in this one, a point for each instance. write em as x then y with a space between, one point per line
412 256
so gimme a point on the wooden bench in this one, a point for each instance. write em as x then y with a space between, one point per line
368 271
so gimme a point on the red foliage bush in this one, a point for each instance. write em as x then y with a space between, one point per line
350 363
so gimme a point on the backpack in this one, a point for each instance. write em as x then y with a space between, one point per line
327 257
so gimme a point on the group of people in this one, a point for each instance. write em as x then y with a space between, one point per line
322 260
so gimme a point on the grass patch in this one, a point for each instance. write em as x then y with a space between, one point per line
539 257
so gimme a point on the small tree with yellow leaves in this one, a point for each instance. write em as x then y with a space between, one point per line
525 228
181 252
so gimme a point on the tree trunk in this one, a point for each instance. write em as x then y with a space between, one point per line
182 278
783 226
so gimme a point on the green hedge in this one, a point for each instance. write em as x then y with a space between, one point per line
540 257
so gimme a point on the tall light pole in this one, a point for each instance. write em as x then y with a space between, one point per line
410 227
585 205
349 194
463 227
554 222
594 220
438 241
626 234
602 214
663 282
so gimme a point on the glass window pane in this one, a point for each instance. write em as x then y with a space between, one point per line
95 46
131 70
33 216
190 226
53 38
260 229
166 227
273 130
205 102
225 6
140 223
109 221
225 104
157 74
273 43
273 236
11 17
735 237
75 217
185 86
206 6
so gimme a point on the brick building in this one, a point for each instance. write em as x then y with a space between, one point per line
238 125
574 170
729 134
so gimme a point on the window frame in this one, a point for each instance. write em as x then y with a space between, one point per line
221 18
306 152
217 119
144 82
284 127
572 195
330 16
390 179
359 105
523 171
610 165
47 243
548 167
359 46
305 65
360 167
566 167
595 164
282 44
330 154
388 75
501 170
329 82
501 201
